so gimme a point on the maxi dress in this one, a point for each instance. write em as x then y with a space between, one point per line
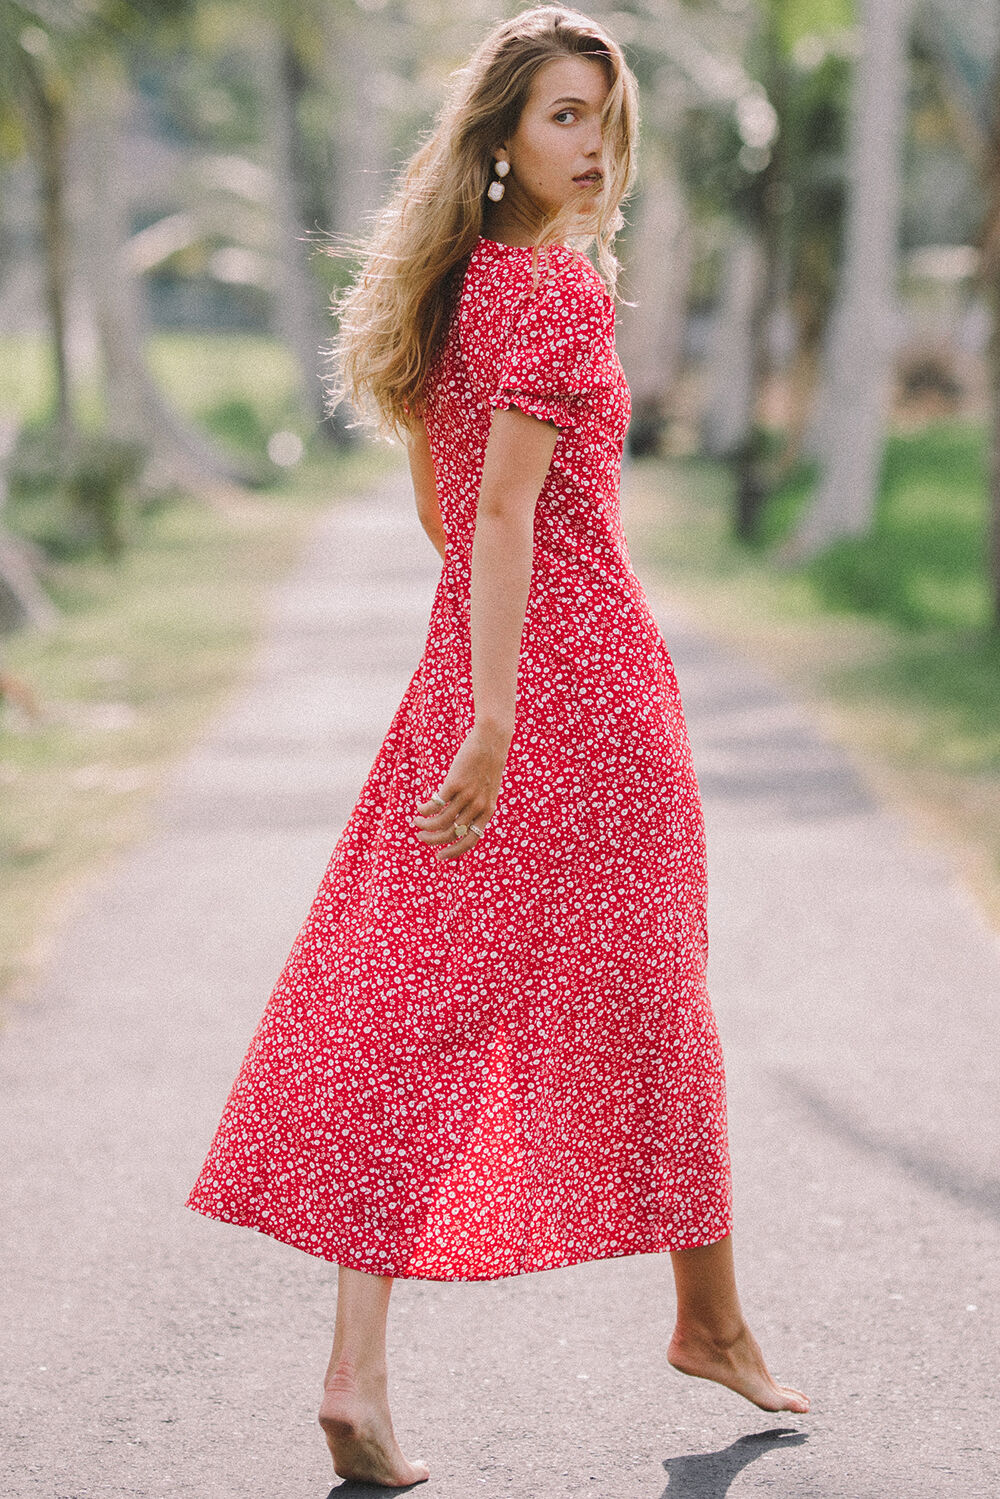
507 1062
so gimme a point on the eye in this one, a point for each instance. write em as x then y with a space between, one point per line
564 112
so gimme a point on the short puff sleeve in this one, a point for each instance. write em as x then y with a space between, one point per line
559 347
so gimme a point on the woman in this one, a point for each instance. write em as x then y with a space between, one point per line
492 1049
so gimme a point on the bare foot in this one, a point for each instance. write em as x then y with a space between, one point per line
355 1419
735 1362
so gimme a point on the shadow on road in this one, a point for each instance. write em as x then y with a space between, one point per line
699 1475
708 1475
349 1489
963 1188
761 757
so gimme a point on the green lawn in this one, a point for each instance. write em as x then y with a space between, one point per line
890 632
238 387
924 563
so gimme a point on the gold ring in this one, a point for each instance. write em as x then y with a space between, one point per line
461 828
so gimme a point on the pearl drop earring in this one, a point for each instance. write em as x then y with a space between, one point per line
495 190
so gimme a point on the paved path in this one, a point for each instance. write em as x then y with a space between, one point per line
153 1352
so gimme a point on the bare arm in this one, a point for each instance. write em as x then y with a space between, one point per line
518 454
425 484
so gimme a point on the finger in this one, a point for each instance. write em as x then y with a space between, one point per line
432 833
432 813
436 822
426 828
430 808
464 844
443 821
446 835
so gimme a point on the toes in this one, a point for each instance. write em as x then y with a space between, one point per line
796 1395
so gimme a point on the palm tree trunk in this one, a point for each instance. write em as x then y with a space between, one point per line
23 601
978 131
137 410
856 399
360 148
803 378
297 307
48 146
361 174
727 412
990 242
659 276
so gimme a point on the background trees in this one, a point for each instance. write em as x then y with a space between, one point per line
180 162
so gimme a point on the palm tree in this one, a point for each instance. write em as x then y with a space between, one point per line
34 94
859 355
62 74
964 41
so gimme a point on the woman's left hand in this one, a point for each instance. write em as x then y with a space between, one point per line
469 790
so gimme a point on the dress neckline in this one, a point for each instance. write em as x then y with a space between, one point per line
484 239
501 245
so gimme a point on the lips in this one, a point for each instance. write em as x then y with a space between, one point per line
588 177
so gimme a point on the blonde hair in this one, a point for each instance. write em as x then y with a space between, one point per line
393 318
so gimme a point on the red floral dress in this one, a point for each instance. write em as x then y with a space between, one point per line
507 1062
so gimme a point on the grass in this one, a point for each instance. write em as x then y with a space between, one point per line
240 387
145 648
887 636
924 563
201 374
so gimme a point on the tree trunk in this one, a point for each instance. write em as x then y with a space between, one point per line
48 145
990 245
993 546
730 365
297 313
803 379
22 599
357 185
658 280
137 411
855 409
751 485
359 174
750 489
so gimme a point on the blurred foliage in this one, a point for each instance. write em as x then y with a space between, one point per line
751 96
923 565
811 22
97 472
924 562
943 198
72 499
239 388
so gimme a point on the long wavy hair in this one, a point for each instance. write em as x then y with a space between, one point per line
392 319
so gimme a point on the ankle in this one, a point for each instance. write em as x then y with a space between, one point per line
349 1374
721 1333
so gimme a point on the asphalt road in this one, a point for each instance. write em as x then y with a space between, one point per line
149 1351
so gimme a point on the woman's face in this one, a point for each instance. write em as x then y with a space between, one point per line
555 154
